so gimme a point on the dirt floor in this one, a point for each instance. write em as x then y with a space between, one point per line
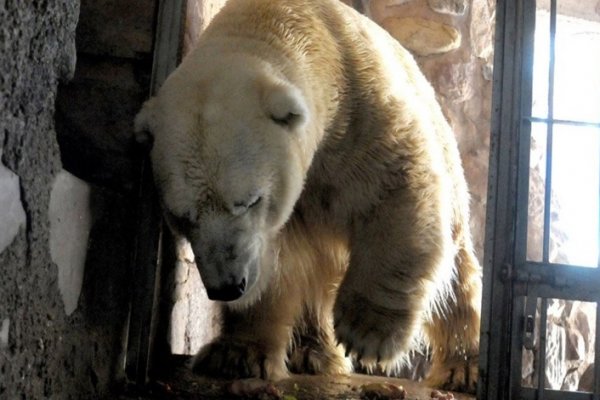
184 385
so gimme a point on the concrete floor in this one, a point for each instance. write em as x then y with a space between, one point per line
184 385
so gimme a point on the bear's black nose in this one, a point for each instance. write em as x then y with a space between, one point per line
227 292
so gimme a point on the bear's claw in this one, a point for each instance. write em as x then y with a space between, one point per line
372 333
458 375
314 360
228 358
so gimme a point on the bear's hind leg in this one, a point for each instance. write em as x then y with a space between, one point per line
453 330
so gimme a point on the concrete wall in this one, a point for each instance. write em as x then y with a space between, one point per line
67 214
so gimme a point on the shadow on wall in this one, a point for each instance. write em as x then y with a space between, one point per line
91 238
94 116
107 281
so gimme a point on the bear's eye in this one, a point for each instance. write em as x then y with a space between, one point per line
286 120
254 201
239 207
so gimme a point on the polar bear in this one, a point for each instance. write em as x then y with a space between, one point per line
302 153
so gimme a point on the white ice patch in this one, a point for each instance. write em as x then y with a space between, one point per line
70 223
4 328
12 215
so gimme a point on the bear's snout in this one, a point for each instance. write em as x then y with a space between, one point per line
228 292
228 268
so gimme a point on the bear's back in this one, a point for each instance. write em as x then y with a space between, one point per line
353 73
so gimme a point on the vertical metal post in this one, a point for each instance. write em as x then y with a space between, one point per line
143 315
550 135
528 29
542 350
496 321
596 387
170 26
146 263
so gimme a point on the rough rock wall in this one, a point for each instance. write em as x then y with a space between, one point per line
199 13
64 243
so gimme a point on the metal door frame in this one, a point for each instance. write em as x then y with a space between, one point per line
508 278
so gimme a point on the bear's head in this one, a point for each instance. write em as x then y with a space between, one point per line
230 152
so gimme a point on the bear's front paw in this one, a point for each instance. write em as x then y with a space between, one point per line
310 359
374 334
234 359
459 374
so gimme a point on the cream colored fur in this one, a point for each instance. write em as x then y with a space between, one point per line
300 147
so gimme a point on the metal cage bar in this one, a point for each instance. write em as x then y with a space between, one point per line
597 338
596 386
494 360
542 350
526 85
550 135
564 122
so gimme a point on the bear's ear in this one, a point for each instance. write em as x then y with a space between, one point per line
285 105
143 126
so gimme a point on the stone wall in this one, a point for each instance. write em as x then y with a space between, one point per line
66 212
199 13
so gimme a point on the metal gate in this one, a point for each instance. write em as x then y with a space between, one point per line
543 223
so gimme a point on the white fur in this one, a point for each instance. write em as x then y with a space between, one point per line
301 138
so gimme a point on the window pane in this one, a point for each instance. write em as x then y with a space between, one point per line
570 340
539 106
574 202
577 62
577 70
537 184
574 205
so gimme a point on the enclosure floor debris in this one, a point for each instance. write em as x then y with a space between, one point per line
184 385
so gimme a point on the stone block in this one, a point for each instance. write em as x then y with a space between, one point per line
116 28
451 7
422 36
481 30
4 331
194 320
199 13
12 215
70 223
453 81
